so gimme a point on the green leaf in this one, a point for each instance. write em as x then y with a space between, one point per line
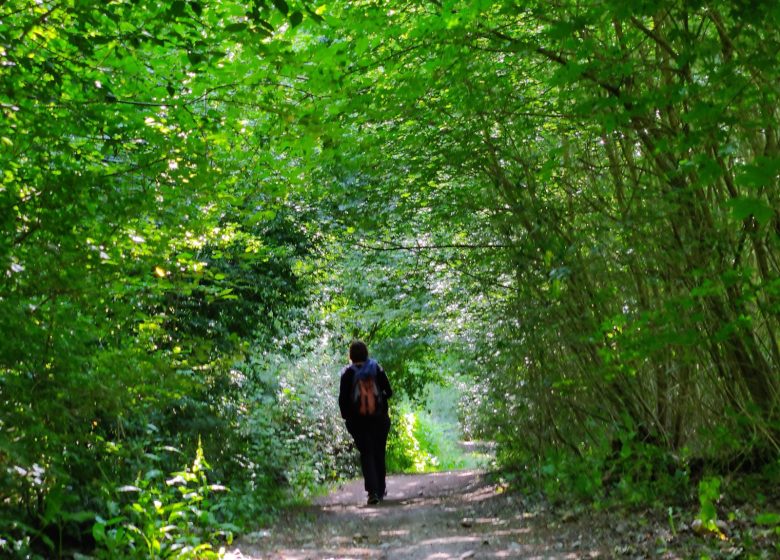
762 173
708 512
99 532
743 207
177 8
79 516
235 27
361 46
195 57
296 18
314 15
282 6
768 519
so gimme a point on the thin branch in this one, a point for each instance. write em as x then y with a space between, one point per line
660 41
417 248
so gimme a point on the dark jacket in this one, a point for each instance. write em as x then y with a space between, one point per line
346 405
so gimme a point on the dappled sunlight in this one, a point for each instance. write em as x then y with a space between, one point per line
454 515
555 223
394 533
406 490
517 532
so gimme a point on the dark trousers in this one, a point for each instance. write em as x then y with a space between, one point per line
370 437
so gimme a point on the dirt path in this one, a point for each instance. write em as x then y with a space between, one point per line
441 516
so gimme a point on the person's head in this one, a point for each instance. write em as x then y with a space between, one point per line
358 352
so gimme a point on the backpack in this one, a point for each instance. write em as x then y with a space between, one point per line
366 396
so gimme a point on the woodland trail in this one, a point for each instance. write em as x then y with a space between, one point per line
439 516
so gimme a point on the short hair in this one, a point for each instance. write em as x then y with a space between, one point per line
358 351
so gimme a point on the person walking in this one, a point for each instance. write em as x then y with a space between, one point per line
363 393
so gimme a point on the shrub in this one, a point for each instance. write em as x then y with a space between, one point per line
166 517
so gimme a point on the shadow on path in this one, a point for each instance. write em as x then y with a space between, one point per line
438 516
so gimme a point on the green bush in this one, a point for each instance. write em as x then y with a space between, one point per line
165 517
626 470
421 442
404 451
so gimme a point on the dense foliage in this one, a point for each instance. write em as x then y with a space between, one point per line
604 178
144 248
572 208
